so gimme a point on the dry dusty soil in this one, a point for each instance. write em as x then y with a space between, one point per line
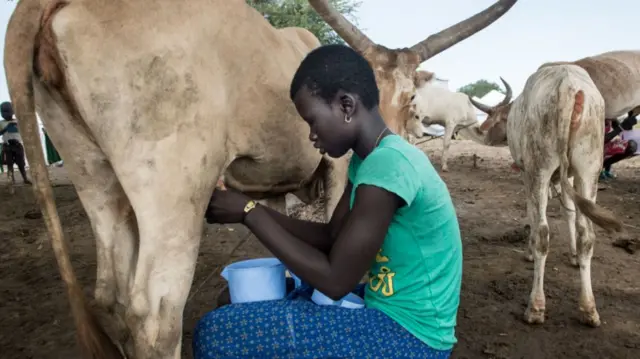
36 322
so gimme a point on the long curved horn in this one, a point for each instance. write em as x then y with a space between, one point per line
348 31
508 95
482 107
438 42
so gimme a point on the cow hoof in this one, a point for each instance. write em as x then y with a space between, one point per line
534 316
574 261
33 214
528 257
591 318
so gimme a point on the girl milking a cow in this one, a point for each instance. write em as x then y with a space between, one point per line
395 222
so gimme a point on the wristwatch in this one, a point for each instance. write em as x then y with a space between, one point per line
248 208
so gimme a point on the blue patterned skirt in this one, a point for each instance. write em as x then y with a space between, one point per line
297 328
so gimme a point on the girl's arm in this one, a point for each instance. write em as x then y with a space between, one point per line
358 238
319 235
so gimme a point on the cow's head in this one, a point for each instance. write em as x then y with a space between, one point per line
395 69
495 126
416 110
413 121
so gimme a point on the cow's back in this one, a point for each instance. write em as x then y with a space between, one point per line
545 89
468 111
616 74
301 39
218 64
545 106
438 103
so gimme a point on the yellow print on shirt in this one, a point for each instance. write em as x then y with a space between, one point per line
380 258
383 280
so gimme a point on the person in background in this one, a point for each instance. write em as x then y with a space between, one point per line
12 143
615 148
395 224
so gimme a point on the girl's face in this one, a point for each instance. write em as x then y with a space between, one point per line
331 128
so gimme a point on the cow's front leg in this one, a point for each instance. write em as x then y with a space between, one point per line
446 142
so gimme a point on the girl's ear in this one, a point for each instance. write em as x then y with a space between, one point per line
348 104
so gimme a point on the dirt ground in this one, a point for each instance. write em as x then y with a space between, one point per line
497 281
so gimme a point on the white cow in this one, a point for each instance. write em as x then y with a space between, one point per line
555 126
433 104
149 103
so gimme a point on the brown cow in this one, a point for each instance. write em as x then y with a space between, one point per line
616 74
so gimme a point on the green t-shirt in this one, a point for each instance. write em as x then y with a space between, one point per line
416 276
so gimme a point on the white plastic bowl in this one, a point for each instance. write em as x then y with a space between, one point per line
321 299
352 301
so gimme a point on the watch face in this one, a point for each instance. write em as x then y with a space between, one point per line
250 205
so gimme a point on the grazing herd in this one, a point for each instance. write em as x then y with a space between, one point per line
150 103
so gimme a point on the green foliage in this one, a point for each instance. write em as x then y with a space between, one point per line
480 88
287 13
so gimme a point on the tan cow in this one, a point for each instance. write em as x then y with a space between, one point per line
554 127
150 103
617 77
616 74
148 110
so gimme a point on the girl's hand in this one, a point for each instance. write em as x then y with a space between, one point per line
226 206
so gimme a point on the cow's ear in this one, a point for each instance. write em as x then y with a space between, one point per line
489 122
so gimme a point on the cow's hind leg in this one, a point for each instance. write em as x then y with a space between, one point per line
570 213
170 208
537 187
105 203
585 242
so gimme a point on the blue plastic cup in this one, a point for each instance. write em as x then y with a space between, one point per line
255 280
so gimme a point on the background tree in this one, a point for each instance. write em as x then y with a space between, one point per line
286 13
480 88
